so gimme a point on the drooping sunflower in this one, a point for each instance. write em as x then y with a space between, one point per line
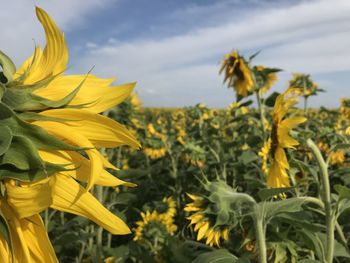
274 147
237 73
205 225
50 118
302 85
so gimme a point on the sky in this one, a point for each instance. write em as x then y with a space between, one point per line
173 48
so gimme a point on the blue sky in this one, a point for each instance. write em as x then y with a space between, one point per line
173 48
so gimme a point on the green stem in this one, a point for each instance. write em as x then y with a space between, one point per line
326 196
262 113
258 219
260 236
305 106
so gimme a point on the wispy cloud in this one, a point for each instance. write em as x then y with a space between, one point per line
311 36
19 26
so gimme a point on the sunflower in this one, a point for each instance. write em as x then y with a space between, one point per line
337 157
167 207
154 225
135 101
53 117
206 227
302 85
237 73
153 153
277 176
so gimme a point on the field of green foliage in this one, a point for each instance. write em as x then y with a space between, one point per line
196 173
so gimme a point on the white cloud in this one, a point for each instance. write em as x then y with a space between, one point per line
311 36
19 26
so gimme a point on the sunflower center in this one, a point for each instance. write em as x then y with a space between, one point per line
274 139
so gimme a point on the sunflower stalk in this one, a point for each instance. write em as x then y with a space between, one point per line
258 218
326 198
262 113
260 231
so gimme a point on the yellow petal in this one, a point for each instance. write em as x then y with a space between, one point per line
82 168
20 246
30 199
95 93
39 244
54 58
71 197
101 131
65 132
65 195
203 230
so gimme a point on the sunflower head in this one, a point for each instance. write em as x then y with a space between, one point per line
154 230
212 214
302 85
167 207
273 149
337 157
237 74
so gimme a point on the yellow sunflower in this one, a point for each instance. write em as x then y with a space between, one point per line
277 176
154 153
337 157
54 118
154 223
213 234
168 207
302 85
237 73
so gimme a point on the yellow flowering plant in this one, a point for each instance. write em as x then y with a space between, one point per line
48 120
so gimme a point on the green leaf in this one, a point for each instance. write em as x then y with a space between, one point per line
216 256
343 191
301 220
314 242
248 157
275 208
270 100
267 193
5 138
8 66
340 146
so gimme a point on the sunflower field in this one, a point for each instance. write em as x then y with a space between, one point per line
87 174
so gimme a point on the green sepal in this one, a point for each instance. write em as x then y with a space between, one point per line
20 99
33 116
5 112
22 154
48 169
8 67
5 138
5 233
42 139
